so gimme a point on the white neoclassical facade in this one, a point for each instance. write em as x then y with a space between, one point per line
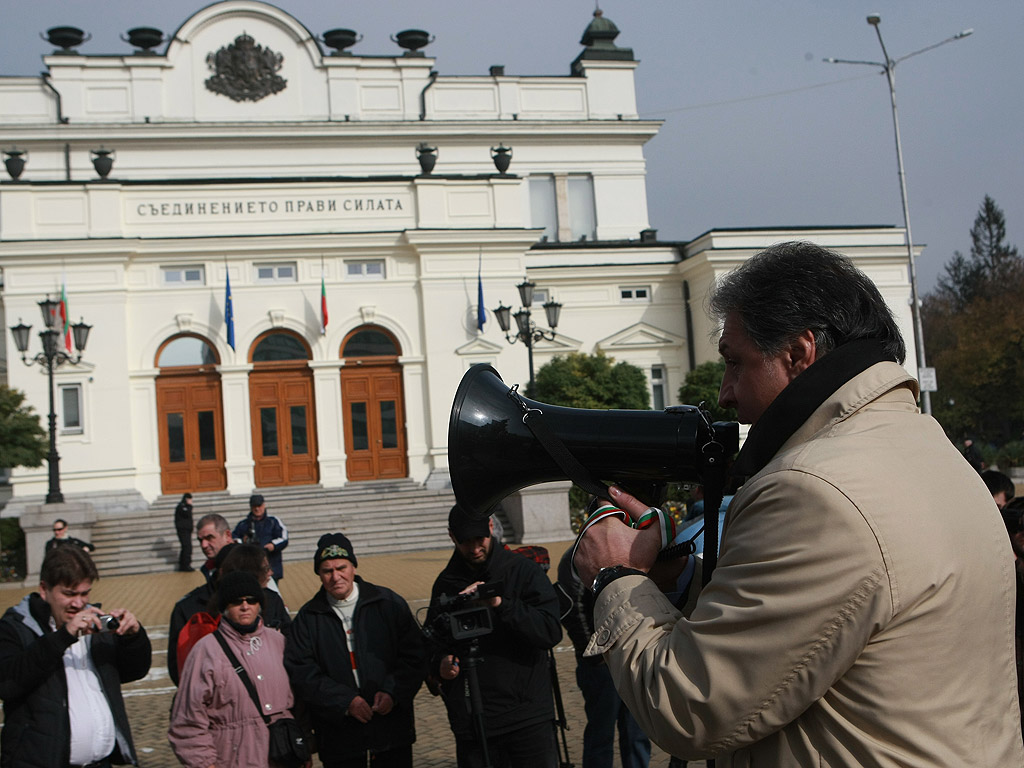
245 151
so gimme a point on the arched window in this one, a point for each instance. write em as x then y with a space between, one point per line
278 346
187 351
370 342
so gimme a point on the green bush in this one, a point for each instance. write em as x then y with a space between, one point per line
1011 455
12 550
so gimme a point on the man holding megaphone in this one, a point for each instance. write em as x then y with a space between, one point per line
853 619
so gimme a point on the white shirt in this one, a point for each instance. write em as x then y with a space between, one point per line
92 723
346 610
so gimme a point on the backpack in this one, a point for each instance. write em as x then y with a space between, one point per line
196 628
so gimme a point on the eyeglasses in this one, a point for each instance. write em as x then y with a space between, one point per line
58 530
246 600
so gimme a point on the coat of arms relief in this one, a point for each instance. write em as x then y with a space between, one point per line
245 71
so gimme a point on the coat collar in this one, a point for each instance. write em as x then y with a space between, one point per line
367 593
829 390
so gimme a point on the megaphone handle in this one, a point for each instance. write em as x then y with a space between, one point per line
552 443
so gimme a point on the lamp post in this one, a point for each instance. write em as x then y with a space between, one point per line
889 68
51 357
528 332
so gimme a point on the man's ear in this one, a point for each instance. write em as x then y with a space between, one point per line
800 354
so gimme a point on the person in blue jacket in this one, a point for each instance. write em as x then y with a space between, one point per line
265 530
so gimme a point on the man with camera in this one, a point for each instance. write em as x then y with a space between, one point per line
356 658
862 610
510 661
62 664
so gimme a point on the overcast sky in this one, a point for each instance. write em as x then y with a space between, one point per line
758 130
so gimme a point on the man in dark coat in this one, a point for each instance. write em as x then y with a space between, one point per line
515 682
263 529
356 658
183 525
61 672
61 536
214 535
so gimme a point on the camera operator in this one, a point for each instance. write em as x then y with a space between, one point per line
515 683
62 664
855 618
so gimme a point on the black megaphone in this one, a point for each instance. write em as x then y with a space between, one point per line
492 452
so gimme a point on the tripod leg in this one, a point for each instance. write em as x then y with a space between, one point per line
560 724
476 703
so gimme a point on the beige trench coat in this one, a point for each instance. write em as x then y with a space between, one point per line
861 613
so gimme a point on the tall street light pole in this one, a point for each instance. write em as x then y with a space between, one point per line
528 332
51 357
889 68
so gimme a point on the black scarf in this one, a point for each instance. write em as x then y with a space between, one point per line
801 398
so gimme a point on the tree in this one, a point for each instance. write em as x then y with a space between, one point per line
989 265
974 332
579 380
23 441
702 385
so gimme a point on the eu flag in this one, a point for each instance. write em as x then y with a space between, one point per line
229 312
481 313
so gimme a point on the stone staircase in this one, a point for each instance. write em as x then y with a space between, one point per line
383 516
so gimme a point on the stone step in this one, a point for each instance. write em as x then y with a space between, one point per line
380 517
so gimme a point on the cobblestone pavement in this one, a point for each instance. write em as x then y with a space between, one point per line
152 596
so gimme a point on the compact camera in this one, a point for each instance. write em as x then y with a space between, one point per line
108 623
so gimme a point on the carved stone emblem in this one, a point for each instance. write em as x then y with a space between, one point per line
244 71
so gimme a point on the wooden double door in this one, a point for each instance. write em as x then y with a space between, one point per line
371 396
283 426
190 426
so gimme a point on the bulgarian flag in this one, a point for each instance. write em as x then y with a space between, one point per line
323 301
64 321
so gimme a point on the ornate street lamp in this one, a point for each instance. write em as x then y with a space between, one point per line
52 356
528 332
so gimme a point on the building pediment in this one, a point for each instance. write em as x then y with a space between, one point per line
561 343
478 346
640 336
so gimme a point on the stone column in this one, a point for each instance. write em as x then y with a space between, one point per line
540 513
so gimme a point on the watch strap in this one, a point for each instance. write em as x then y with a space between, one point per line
607 575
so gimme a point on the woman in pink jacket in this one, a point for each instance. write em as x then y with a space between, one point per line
214 721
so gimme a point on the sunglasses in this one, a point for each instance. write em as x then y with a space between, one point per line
58 530
246 600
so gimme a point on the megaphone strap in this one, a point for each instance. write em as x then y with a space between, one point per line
533 418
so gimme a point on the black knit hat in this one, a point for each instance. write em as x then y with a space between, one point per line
236 585
333 546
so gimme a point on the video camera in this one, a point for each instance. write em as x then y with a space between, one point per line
458 620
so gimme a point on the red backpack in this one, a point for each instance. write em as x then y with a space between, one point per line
196 628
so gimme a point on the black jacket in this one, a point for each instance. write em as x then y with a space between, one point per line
390 657
515 679
37 729
183 516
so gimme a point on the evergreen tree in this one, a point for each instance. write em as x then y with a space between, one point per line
23 441
974 332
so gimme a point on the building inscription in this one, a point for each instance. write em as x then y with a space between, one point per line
302 206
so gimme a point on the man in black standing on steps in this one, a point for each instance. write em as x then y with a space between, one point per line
183 525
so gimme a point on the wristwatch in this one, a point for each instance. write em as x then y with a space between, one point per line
607 575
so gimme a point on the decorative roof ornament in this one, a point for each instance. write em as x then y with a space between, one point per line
245 71
599 39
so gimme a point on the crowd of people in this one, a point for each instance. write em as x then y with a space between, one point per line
867 608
